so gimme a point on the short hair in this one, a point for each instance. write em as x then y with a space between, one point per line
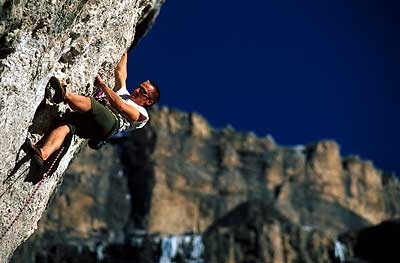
155 96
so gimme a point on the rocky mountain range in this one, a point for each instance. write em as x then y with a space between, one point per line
250 199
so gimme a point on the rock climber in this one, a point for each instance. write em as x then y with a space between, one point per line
97 118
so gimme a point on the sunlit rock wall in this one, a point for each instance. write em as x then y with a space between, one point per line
70 39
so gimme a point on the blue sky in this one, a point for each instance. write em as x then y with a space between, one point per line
301 71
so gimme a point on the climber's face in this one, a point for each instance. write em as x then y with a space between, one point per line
142 94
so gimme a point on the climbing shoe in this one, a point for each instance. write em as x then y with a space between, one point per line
58 88
33 152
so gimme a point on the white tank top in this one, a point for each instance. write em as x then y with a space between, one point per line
124 123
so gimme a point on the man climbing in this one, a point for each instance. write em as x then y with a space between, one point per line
90 119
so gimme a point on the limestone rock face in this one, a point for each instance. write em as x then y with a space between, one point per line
218 170
73 40
256 231
251 199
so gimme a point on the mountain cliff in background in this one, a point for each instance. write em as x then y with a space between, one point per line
249 198
38 39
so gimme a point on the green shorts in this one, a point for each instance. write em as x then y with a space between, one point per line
99 123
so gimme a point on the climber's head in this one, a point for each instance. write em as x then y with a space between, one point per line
146 94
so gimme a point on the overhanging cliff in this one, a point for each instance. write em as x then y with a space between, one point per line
70 39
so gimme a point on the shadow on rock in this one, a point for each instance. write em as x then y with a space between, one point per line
37 173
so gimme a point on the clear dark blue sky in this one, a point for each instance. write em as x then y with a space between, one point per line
300 71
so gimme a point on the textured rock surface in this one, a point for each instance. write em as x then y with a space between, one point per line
256 232
217 170
251 199
38 39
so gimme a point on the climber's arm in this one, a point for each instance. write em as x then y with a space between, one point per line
117 103
120 72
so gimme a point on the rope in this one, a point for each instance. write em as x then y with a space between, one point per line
31 196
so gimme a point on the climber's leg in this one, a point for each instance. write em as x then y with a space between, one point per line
76 101
53 141
50 144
